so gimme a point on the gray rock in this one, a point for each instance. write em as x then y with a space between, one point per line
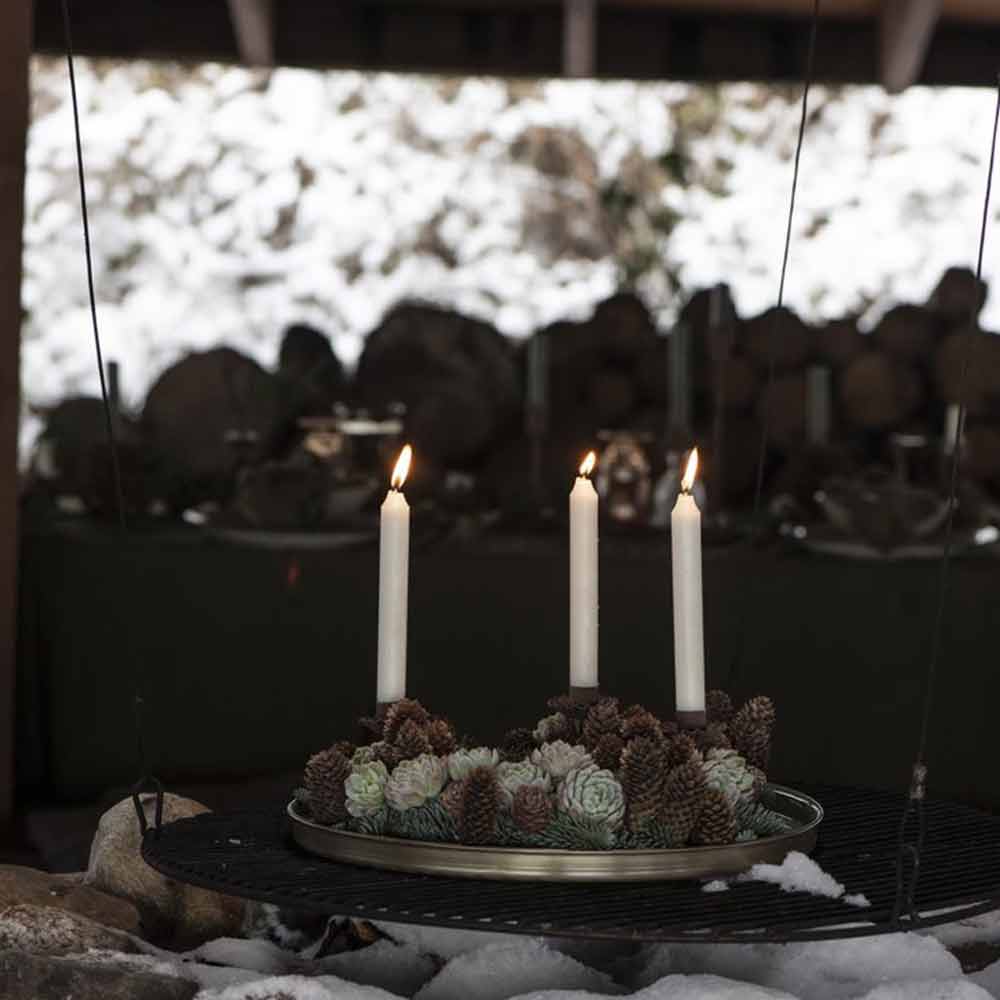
180 915
65 892
44 930
34 977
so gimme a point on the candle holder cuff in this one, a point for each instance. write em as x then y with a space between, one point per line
692 719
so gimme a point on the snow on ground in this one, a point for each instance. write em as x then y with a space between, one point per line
226 203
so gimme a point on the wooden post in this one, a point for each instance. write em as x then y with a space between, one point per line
15 47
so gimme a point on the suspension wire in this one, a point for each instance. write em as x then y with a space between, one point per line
907 849
109 422
765 430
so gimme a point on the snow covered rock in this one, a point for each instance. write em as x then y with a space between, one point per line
499 971
34 977
183 915
44 930
298 988
821 970
65 892
952 989
398 968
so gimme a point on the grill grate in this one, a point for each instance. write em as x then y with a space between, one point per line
250 855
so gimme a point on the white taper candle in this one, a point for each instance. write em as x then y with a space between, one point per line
689 643
393 594
583 579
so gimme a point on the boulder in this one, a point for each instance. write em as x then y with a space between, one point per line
44 930
172 913
65 892
33 977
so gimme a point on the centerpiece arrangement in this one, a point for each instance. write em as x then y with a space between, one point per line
591 777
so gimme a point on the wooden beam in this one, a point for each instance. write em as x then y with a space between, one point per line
253 25
579 38
907 28
15 48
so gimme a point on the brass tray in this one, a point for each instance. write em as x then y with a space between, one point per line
545 865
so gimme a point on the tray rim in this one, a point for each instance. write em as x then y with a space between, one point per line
555 865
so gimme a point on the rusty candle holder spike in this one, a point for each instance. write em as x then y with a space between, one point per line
585 695
692 720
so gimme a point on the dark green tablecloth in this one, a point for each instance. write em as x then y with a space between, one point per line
254 657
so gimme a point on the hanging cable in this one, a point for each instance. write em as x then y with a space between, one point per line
765 430
909 847
146 780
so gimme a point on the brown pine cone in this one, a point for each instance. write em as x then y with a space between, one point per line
404 710
680 818
680 749
638 722
717 822
346 747
602 718
750 731
411 741
714 736
453 798
387 753
371 728
759 781
608 752
532 809
642 775
441 736
324 780
684 783
718 706
518 744
572 708
480 807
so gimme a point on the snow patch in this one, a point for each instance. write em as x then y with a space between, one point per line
297 988
956 989
799 873
397 968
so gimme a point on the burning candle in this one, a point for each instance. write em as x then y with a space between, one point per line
393 573
689 644
583 579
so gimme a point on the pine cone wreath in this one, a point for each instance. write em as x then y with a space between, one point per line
399 712
679 819
715 736
441 737
750 731
411 741
608 752
452 800
480 807
324 779
638 722
643 770
717 822
602 718
718 706
532 809
685 783
518 744
680 749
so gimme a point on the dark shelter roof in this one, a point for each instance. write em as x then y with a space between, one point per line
896 42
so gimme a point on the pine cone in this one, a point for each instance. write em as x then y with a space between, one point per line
480 807
750 731
452 799
324 780
532 808
680 818
680 749
404 710
411 741
715 736
684 784
638 722
643 772
387 753
441 736
371 728
572 708
608 752
346 747
718 706
759 781
602 718
518 744
717 822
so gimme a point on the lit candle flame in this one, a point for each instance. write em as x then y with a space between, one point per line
402 467
587 465
689 473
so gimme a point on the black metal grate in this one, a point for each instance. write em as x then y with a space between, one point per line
250 855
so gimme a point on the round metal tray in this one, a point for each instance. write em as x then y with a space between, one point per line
544 865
